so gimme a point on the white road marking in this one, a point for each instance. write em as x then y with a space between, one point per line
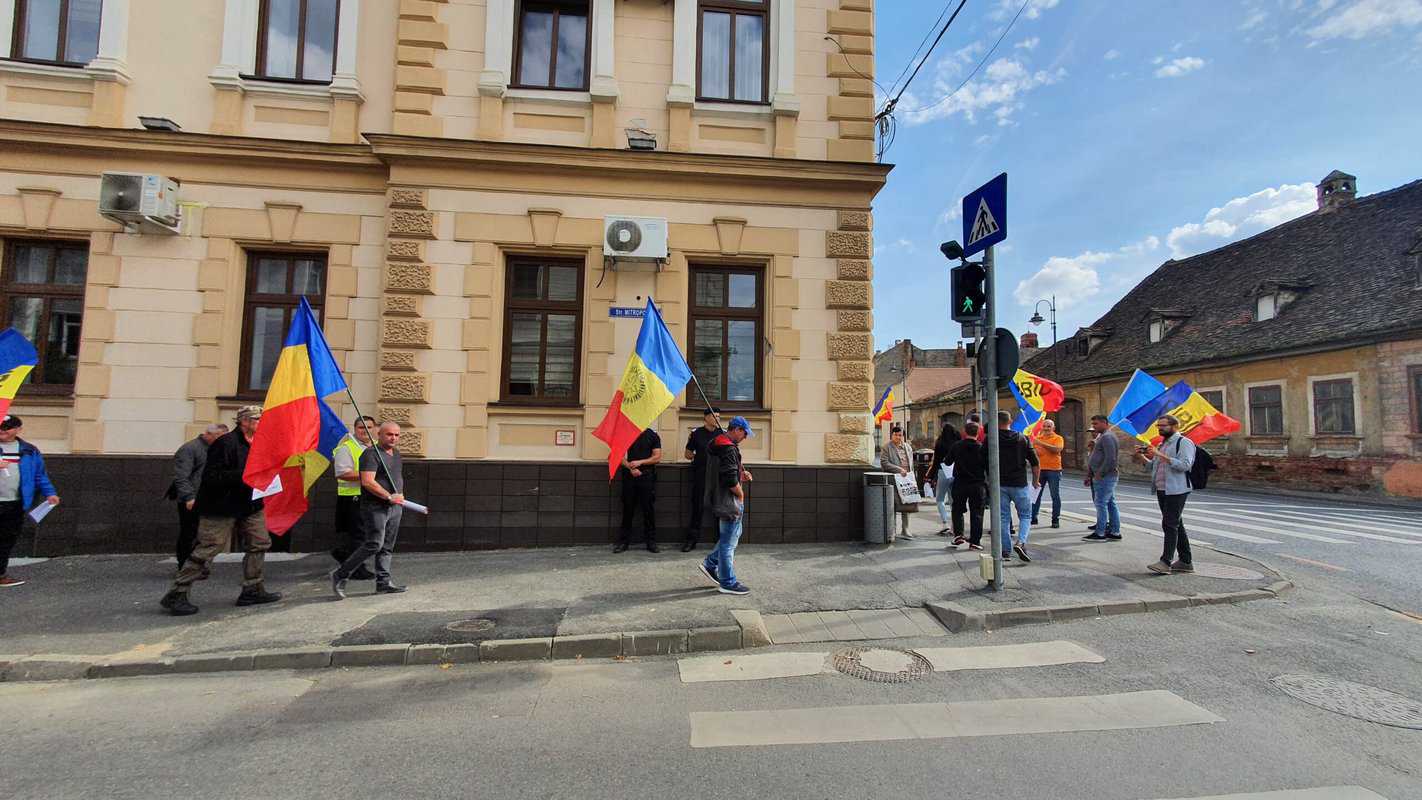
1132 710
1032 654
236 558
1243 537
1311 562
1206 518
755 667
1156 532
1320 793
1282 526
1364 524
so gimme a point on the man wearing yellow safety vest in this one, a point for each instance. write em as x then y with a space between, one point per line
347 457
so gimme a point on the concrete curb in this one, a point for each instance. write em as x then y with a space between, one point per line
957 618
749 631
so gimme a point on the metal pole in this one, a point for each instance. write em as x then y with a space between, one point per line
994 456
373 443
1054 320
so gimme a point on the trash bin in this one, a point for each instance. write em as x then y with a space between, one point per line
879 493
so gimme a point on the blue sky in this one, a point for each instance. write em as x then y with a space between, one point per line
1132 132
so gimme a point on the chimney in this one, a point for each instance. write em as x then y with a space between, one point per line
908 356
1029 341
1336 190
960 356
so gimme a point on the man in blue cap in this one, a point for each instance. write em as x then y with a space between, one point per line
726 498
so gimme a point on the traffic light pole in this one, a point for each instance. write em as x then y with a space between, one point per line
989 360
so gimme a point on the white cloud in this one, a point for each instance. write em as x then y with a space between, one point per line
1254 20
1179 66
998 92
980 141
1070 280
1157 60
1112 54
1007 9
1363 18
900 245
1029 44
1241 217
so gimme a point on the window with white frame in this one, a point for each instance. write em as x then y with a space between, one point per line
296 40
734 44
1266 307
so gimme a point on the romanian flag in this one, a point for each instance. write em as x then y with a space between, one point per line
655 373
884 409
1199 421
298 431
17 359
1140 390
1036 398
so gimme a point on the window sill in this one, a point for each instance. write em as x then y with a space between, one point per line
32 399
757 111
533 408
1336 437
726 411
260 87
73 72
563 97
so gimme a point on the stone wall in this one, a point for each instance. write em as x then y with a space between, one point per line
113 504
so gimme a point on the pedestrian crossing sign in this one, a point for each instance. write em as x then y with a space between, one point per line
985 216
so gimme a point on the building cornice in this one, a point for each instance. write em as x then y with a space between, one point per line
664 164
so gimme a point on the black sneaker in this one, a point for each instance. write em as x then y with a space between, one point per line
706 573
975 547
620 547
652 547
688 545
1056 524
1094 538
1035 522
735 588
1021 552
390 588
362 573
177 604
1113 537
256 596
338 585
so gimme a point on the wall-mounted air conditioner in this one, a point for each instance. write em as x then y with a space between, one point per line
634 237
148 203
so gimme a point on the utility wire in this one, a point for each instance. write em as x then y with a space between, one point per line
889 106
918 49
984 60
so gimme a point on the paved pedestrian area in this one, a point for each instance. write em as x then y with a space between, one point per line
107 606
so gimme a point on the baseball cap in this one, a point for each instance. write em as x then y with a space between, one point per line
249 412
743 424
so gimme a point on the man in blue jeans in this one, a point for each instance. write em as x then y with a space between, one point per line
1015 453
726 497
1102 476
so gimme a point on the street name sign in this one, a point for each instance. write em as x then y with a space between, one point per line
985 216
617 312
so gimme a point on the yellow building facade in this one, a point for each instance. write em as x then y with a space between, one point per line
435 177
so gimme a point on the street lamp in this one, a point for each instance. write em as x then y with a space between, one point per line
1051 309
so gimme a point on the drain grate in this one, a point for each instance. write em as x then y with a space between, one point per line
881 665
1356 700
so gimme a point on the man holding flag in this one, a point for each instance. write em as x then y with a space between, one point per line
22 473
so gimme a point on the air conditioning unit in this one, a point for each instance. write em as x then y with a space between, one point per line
135 200
634 237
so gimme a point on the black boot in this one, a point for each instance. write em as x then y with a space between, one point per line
256 595
620 547
177 603
689 544
652 545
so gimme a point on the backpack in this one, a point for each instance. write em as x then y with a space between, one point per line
1199 473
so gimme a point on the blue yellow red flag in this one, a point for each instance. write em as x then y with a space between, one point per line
1199 420
655 373
1140 389
298 432
1037 393
17 359
884 409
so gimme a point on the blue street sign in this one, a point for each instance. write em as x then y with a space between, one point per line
622 311
985 216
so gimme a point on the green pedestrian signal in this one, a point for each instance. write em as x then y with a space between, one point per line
969 293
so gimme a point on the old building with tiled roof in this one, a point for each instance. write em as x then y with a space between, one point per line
1309 333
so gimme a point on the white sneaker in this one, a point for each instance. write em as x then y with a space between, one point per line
905 535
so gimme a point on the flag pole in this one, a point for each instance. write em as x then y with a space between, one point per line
360 418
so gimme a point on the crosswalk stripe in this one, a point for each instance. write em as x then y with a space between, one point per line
1243 537
1319 793
1281 524
1031 654
1017 716
1157 533
752 667
1206 518
1363 524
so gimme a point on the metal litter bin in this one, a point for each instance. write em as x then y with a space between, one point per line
879 493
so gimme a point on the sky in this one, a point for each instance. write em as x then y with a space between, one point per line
1132 132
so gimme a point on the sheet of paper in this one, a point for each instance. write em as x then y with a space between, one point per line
415 507
1040 488
274 488
40 512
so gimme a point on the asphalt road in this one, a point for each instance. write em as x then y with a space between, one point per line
1371 551
605 730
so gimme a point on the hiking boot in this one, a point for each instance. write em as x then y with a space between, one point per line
1159 568
256 596
177 604
362 573
338 584
1181 566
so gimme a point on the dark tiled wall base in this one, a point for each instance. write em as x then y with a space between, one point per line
114 504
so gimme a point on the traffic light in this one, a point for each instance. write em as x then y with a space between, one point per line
968 294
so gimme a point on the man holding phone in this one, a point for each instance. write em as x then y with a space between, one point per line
1170 462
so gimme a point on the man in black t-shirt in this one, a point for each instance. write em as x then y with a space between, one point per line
639 488
696 445
382 497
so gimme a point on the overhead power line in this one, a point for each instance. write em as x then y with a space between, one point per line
984 60
889 106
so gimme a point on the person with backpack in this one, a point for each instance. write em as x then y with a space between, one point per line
1171 463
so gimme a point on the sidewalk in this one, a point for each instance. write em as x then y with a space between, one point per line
106 607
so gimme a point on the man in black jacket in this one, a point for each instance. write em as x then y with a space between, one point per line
969 461
225 507
188 464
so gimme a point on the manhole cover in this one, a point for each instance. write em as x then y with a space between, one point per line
1355 700
881 665
476 625
1227 572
